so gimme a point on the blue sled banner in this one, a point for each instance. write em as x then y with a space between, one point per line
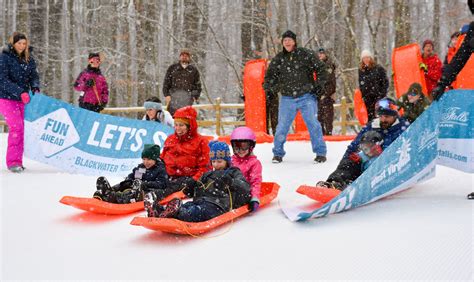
80 141
443 134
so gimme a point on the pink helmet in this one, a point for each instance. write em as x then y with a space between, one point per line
243 133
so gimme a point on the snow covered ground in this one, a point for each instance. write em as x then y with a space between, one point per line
423 233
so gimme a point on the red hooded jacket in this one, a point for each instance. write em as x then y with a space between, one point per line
186 155
433 75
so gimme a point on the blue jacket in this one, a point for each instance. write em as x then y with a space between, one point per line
389 135
16 75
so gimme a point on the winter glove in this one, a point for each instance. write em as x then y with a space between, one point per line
354 157
424 67
437 93
25 98
254 205
35 90
90 82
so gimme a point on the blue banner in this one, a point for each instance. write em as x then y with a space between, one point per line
412 158
80 141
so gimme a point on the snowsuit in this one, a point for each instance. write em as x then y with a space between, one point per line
186 157
94 98
433 74
183 85
16 77
154 179
292 75
163 117
373 84
326 102
217 192
347 171
251 168
413 110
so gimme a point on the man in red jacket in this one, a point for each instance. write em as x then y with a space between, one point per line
432 66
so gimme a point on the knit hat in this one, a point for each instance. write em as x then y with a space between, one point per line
321 50
415 88
366 53
18 36
94 55
185 51
153 105
386 107
151 151
427 41
289 34
219 151
183 120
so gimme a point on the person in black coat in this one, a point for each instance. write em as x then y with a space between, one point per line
388 124
326 102
218 191
148 177
373 82
182 84
18 76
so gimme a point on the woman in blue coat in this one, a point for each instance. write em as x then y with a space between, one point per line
18 76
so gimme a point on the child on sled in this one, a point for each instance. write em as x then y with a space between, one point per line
148 176
217 191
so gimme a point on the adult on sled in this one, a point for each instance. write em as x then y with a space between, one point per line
388 124
291 72
149 176
458 62
18 76
373 82
218 191
185 153
92 85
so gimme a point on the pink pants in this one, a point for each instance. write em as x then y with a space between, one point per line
14 113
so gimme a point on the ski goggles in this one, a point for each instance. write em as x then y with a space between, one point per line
413 94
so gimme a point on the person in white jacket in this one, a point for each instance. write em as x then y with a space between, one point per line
155 112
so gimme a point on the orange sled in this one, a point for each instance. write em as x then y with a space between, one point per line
320 194
269 192
101 207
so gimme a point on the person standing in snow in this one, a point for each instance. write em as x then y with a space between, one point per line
155 112
458 62
18 76
388 124
326 102
373 82
182 84
93 86
291 73
432 66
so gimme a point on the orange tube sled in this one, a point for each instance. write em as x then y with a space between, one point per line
360 110
320 194
406 62
255 109
101 207
269 192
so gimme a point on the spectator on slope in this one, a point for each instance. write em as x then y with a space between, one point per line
218 191
155 112
413 103
291 72
93 86
388 124
451 47
373 82
432 66
326 102
18 76
182 85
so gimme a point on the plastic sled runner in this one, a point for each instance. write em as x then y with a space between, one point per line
101 207
320 194
269 192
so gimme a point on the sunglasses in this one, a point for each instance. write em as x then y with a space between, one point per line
413 94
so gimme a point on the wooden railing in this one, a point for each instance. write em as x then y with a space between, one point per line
344 107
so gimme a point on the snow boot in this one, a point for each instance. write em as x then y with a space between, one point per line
151 204
471 196
277 159
103 188
320 159
171 209
330 185
17 168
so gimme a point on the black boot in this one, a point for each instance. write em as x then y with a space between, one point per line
172 208
103 188
151 204
471 196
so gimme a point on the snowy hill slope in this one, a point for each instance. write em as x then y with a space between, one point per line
423 233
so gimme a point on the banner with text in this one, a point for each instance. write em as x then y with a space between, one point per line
80 141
